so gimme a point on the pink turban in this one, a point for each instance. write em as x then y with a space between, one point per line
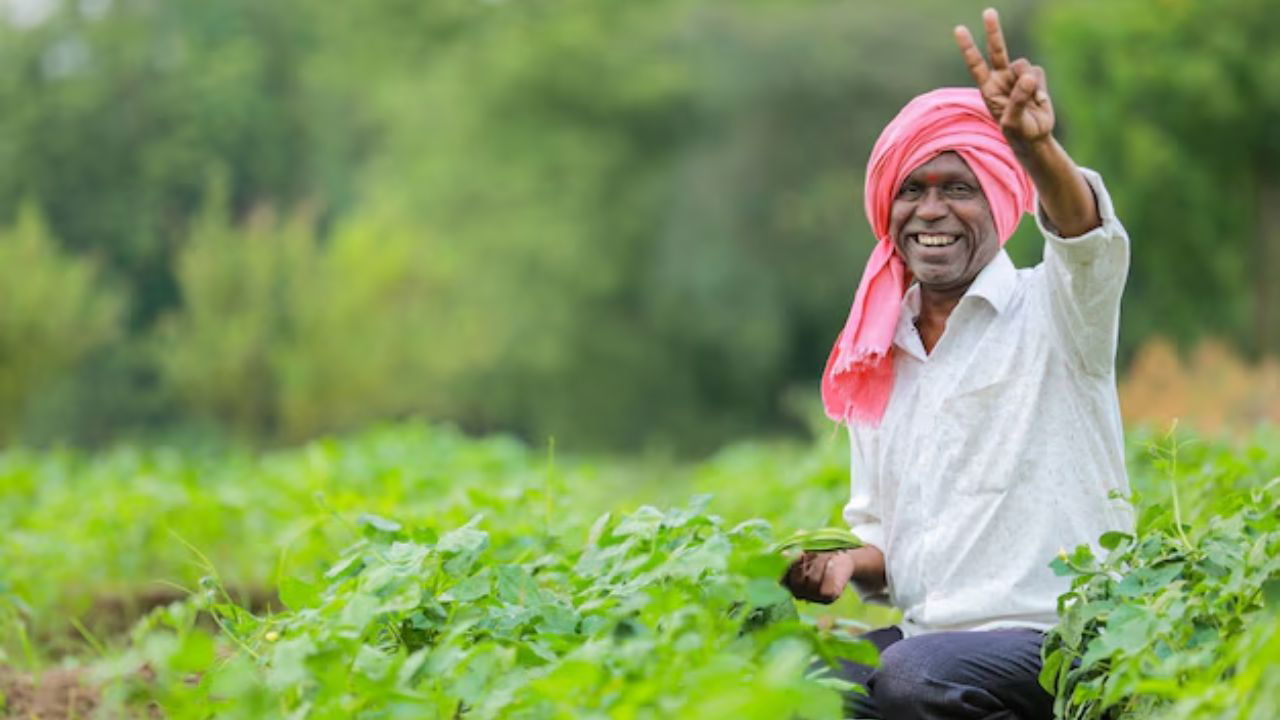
858 380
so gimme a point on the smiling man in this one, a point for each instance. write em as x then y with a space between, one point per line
980 398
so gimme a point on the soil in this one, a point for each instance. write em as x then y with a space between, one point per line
67 694
112 615
55 695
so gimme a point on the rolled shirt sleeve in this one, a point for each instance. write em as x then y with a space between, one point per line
1085 278
862 513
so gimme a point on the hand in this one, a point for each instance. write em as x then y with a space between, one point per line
1015 92
820 576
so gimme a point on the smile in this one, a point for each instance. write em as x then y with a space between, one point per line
935 240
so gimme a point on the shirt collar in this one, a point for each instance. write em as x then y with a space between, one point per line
995 283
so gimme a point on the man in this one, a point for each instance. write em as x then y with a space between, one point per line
981 400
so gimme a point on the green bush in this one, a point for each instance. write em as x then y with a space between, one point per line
220 351
420 569
1177 620
54 311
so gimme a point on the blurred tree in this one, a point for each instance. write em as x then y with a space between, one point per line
618 224
116 112
54 311
1177 102
651 214
220 350
281 336
362 348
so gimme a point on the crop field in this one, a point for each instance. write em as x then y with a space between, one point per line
411 572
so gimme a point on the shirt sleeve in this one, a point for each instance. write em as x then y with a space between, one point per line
1085 278
862 513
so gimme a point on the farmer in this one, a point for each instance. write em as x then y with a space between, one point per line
980 398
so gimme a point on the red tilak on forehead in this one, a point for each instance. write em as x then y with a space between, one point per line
931 178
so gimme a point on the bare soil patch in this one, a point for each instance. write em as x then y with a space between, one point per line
111 615
69 694
54 695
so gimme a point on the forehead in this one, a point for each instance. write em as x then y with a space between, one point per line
948 165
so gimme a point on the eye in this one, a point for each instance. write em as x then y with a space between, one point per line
959 189
910 190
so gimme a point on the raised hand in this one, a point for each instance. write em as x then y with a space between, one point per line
1015 92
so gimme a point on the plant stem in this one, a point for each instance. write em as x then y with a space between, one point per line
1173 484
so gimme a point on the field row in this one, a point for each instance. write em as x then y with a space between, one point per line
412 572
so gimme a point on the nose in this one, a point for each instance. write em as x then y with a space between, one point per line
931 206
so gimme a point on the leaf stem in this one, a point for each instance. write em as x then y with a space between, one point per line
1173 484
549 479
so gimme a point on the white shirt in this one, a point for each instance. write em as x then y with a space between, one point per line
1005 443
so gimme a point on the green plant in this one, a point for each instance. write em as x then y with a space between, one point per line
526 584
1173 611
657 614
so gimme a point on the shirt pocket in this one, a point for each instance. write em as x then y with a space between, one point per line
985 423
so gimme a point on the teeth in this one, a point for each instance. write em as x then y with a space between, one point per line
935 240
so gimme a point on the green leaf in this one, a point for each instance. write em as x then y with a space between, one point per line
599 530
1271 595
683 516
358 612
1147 580
1082 559
1112 540
349 565
849 647
470 588
297 594
463 540
462 547
410 554
1050 671
194 653
762 592
288 663
644 523
371 662
516 586
378 523
1060 567
1130 628
556 618
765 565
407 673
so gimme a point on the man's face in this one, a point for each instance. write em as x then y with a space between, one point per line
941 224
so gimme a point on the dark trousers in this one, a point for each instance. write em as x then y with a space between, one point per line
982 675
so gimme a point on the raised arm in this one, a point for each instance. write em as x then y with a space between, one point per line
1018 97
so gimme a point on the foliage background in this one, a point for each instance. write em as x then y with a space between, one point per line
626 225
623 226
